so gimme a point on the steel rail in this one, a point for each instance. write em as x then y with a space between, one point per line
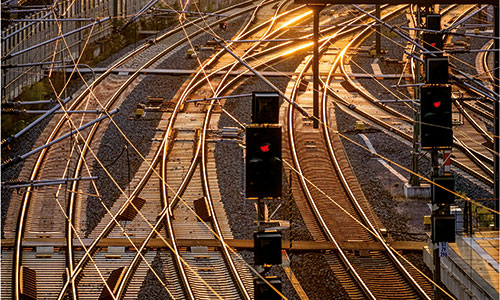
275 48
136 191
307 192
193 84
484 89
205 182
472 154
183 184
309 197
477 157
482 65
169 210
25 202
164 145
480 157
484 61
405 136
478 109
326 132
486 136
175 199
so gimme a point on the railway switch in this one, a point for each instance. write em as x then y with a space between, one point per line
263 161
28 284
435 117
267 248
265 107
264 291
202 209
441 196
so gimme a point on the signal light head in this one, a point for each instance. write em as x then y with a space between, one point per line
263 161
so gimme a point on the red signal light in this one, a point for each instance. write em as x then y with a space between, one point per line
265 148
437 104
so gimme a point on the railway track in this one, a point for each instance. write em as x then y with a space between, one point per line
183 147
180 206
333 199
172 231
83 279
48 219
471 154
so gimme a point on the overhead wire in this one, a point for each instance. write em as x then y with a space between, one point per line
380 83
463 134
220 238
115 183
131 203
460 196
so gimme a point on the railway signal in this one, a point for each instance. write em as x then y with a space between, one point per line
435 117
432 41
436 70
263 161
265 107
433 22
443 228
263 290
267 247
441 196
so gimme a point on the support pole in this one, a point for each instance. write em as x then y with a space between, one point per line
261 213
435 246
32 124
378 27
24 156
219 98
414 179
316 10
437 271
496 132
37 183
24 111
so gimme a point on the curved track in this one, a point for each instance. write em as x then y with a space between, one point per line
335 200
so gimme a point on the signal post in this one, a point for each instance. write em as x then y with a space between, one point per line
436 135
263 182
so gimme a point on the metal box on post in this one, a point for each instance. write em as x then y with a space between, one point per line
267 248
